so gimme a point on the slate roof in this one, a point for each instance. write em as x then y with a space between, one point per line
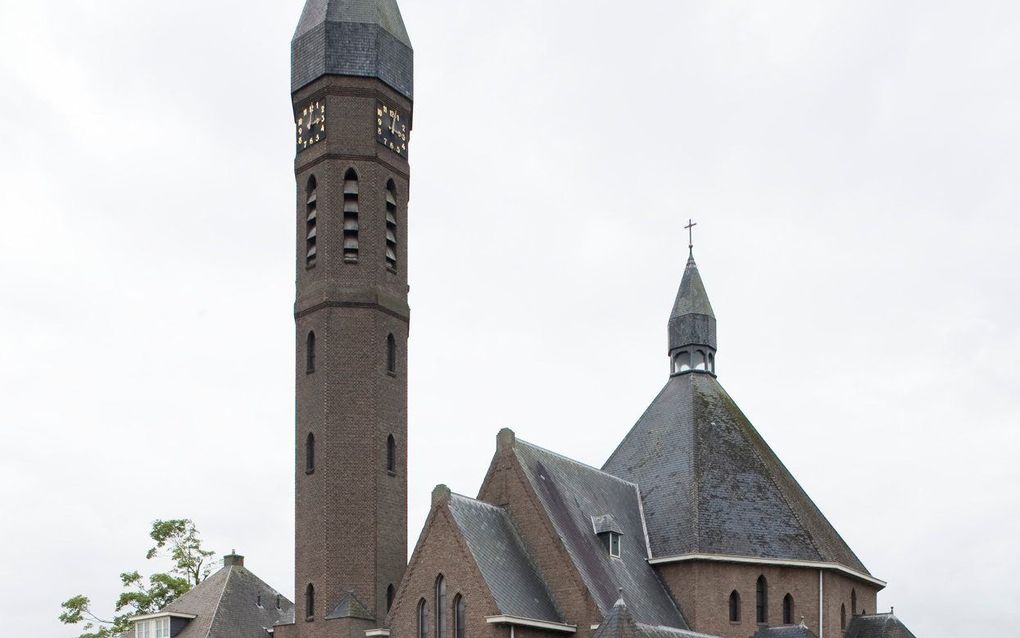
500 555
350 607
877 626
352 37
225 606
785 631
620 623
692 321
571 494
712 485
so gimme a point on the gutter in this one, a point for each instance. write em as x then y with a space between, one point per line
721 558
531 622
163 614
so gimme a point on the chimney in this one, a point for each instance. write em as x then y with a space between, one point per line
233 559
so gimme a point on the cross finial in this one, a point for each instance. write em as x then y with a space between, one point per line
690 234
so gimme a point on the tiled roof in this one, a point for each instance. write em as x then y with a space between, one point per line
877 626
226 606
500 555
712 485
571 494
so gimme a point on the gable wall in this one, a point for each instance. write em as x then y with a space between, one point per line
441 550
506 486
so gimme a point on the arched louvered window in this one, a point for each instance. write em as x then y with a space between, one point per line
391 454
309 602
310 454
310 353
762 600
423 619
311 222
734 606
351 216
458 617
440 606
853 602
391 225
389 597
788 610
391 354
842 616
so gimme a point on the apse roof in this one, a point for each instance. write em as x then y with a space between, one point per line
877 626
712 485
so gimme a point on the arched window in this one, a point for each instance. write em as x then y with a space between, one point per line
310 353
458 616
391 454
734 606
681 362
391 354
389 597
351 216
310 454
842 616
391 225
309 602
311 220
423 619
762 600
853 602
440 606
711 362
702 361
788 610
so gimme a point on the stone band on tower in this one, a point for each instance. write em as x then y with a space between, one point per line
352 81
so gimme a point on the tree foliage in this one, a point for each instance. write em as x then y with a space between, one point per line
176 540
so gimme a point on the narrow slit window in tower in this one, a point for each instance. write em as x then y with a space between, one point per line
391 226
351 216
311 221
788 610
309 602
842 616
853 602
389 597
391 454
310 454
391 354
734 606
310 353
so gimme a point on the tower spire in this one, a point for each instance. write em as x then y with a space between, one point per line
692 324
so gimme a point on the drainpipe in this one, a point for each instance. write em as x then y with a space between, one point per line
821 604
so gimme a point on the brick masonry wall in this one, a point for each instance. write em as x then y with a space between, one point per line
506 485
702 589
441 550
351 513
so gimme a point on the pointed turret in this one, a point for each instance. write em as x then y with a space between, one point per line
692 342
364 38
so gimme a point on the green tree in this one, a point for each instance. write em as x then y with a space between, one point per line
176 540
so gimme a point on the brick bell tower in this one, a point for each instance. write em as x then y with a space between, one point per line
352 77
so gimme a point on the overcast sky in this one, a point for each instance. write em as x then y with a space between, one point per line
853 166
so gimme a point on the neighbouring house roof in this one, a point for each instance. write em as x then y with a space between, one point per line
620 623
877 626
571 493
504 563
712 485
225 605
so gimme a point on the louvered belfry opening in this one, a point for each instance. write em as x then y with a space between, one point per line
311 220
391 226
351 216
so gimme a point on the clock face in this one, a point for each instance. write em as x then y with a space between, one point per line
391 129
311 125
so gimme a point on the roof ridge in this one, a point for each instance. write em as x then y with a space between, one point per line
223 590
576 462
475 500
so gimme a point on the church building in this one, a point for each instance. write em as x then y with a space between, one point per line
692 527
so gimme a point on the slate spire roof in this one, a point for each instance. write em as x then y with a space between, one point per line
710 484
692 321
364 38
877 626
